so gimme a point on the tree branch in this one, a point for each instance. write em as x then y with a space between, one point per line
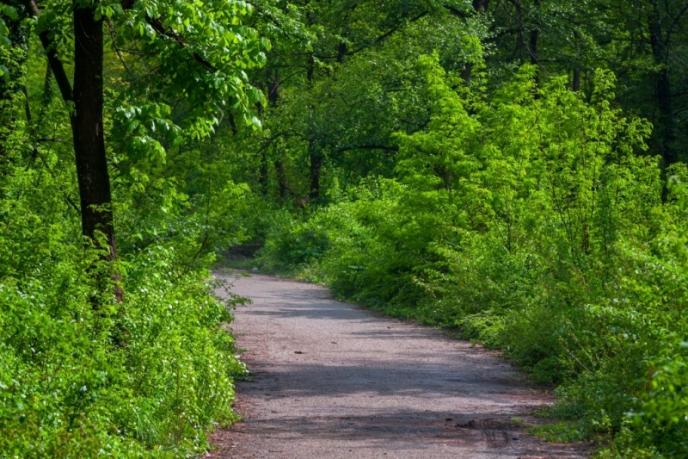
457 12
158 26
53 59
375 41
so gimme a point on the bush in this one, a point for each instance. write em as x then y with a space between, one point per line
526 218
84 376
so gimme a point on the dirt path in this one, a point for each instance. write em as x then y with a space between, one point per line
331 380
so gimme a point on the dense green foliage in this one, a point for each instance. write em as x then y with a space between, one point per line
511 169
83 373
138 377
528 222
522 181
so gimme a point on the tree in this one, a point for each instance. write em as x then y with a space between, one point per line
218 49
321 117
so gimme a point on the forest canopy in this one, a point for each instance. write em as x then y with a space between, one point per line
514 170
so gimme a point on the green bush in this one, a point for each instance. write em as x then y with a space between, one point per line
82 375
525 218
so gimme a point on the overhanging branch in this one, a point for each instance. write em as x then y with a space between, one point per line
53 59
159 27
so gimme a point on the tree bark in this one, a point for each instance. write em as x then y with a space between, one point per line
280 169
89 139
533 46
87 127
86 118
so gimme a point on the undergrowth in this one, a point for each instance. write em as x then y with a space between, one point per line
528 220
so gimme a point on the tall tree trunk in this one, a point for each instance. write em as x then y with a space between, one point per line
576 71
280 168
315 158
87 129
665 127
87 124
534 37
533 46
341 52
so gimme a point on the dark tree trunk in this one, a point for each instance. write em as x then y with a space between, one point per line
316 162
315 158
576 80
533 46
310 68
263 166
263 178
282 184
534 37
280 169
273 90
87 125
480 5
665 127
87 128
341 52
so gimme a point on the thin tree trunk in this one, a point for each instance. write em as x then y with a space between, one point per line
666 124
533 46
576 80
282 184
316 162
315 158
534 37
280 169
263 171
664 127
341 52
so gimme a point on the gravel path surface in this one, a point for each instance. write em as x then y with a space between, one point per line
332 380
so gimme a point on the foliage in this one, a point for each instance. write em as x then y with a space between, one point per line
526 218
82 374
143 377
523 181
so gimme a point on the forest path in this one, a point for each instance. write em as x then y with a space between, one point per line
332 380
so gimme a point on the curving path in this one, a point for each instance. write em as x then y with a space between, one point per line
332 380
